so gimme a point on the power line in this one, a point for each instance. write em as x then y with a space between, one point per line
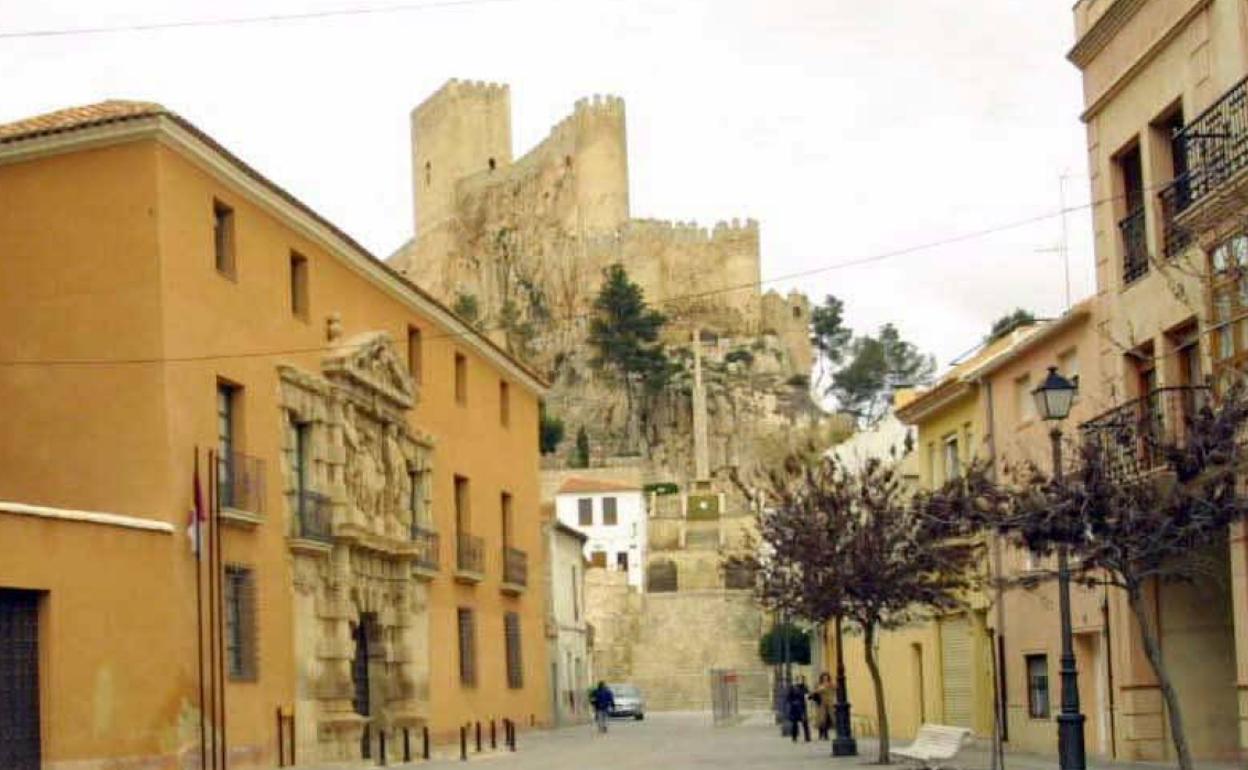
858 262
242 20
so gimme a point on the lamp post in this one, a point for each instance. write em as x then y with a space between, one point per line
843 745
1053 398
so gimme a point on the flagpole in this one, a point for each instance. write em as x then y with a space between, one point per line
199 613
212 603
218 576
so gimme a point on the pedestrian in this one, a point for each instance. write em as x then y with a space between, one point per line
603 700
822 698
796 703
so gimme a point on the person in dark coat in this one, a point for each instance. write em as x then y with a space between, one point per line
795 703
603 700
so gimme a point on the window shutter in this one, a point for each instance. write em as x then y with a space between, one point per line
515 661
467 648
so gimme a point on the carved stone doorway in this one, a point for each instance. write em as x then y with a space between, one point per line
365 629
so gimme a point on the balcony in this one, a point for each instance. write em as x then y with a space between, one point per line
426 543
469 558
240 488
1134 246
313 519
1133 437
515 570
1214 149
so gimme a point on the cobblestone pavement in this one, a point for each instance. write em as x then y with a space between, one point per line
688 740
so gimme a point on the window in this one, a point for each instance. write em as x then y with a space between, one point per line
504 504
428 173
462 511
504 403
598 559
416 501
797 311
1024 402
493 164
461 378
610 516
228 397
1037 686
467 648
299 285
1229 307
1132 226
223 238
303 445
952 461
585 511
515 661
240 622
621 561
415 350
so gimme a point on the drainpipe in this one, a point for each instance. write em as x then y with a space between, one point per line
1001 730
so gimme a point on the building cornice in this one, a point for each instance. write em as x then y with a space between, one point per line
86 517
933 401
1109 24
180 135
1149 54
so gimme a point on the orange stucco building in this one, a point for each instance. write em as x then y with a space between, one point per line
376 467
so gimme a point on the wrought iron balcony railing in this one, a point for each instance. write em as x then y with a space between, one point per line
470 553
426 542
1134 245
515 566
240 482
313 517
1132 437
1214 148
1174 199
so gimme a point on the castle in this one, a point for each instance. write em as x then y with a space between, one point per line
529 237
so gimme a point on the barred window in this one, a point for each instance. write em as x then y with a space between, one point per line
467 648
240 623
515 661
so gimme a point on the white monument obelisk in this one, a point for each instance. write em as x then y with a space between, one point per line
701 458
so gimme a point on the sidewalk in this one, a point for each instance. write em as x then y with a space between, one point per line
979 757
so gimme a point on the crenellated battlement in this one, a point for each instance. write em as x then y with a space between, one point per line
692 232
455 89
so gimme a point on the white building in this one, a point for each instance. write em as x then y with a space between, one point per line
569 638
613 517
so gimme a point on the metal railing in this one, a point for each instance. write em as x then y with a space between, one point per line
1214 148
1173 200
426 542
515 566
1134 245
240 482
469 553
313 517
1132 438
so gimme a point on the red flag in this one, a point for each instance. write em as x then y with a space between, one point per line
196 517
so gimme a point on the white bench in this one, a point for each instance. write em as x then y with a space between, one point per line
935 744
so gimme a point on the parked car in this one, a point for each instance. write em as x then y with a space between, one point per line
628 701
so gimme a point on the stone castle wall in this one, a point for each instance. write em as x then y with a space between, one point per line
557 216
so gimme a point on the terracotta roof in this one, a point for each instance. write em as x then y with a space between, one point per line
118 110
580 485
71 118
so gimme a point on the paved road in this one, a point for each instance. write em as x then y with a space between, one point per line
684 741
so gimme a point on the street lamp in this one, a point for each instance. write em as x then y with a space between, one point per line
843 745
1053 398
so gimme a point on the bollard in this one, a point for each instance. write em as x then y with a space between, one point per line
493 742
381 747
478 737
513 736
407 744
463 743
425 736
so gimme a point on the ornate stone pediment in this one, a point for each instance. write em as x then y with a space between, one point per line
370 361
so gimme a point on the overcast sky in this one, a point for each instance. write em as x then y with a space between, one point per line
849 128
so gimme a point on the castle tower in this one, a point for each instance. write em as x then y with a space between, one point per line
601 163
464 128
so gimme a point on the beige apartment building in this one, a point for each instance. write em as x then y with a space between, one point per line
1166 109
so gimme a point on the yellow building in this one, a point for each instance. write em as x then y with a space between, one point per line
939 670
375 468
